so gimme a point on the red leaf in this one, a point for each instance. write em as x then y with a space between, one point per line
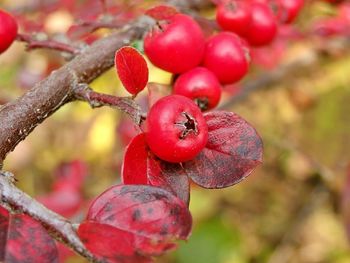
233 150
109 243
143 210
140 166
161 12
23 238
132 69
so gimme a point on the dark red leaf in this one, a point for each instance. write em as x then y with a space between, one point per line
146 211
140 166
4 224
233 150
161 12
109 243
132 69
23 238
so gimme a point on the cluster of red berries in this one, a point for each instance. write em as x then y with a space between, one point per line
176 129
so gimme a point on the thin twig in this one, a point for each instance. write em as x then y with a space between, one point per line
33 43
125 104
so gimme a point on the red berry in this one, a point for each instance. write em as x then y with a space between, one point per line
175 45
200 85
234 16
263 27
176 129
8 30
226 57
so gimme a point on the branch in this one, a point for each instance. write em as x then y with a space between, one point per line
60 228
96 100
33 43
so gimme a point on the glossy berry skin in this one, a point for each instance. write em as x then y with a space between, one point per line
201 86
8 30
176 130
263 28
227 57
234 16
175 45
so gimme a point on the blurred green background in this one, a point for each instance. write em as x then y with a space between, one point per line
289 210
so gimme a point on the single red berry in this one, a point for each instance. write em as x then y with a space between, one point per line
8 30
175 45
234 16
200 85
176 129
263 27
227 57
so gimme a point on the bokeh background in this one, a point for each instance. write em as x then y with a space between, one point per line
293 208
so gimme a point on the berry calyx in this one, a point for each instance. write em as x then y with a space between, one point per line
263 27
176 130
8 30
234 16
175 45
200 85
227 57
